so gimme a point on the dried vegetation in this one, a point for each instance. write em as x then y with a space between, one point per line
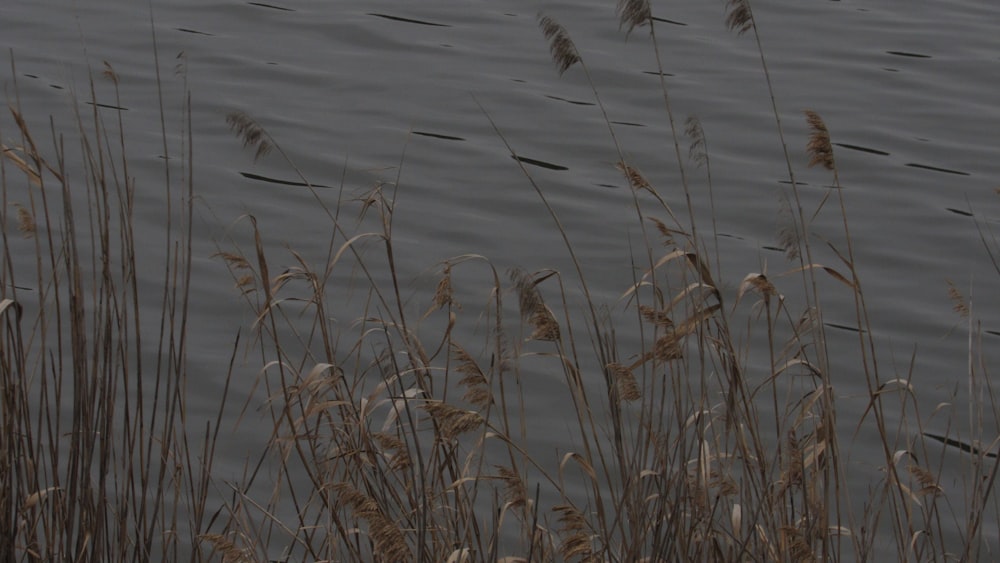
408 437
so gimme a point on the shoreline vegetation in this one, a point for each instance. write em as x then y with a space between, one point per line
403 436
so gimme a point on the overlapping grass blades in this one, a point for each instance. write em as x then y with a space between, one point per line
411 431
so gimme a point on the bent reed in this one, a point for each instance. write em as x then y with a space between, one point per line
406 436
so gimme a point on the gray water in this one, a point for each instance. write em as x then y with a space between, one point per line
907 89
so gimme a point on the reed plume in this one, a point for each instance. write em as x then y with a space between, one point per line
959 304
740 16
230 552
633 14
576 542
474 380
388 538
394 450
533 308
927 481
25 221
656 316
109 73
443 293
635 178
250 132
789 239
514 492
628 387
819 148
563 50
452 420
697 152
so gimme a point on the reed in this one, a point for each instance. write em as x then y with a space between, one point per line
97 460
409 434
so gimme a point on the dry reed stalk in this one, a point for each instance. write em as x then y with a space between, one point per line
32 172
90 353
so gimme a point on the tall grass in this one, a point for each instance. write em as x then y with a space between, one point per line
97 463
409 433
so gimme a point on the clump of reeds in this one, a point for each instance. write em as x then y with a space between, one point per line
97 463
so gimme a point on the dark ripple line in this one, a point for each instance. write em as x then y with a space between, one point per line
968 448
862 149
194 31
408 20
105 106
907 54
439 136
260 178
271 6
574 102
539 163
844 327
937 169
665 20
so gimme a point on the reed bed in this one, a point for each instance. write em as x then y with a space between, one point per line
406 434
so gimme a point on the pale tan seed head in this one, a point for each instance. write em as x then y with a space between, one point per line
959 304
628 387
819 148
25 221
515 492
443 293
635 178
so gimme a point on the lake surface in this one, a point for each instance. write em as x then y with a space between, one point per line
350 89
